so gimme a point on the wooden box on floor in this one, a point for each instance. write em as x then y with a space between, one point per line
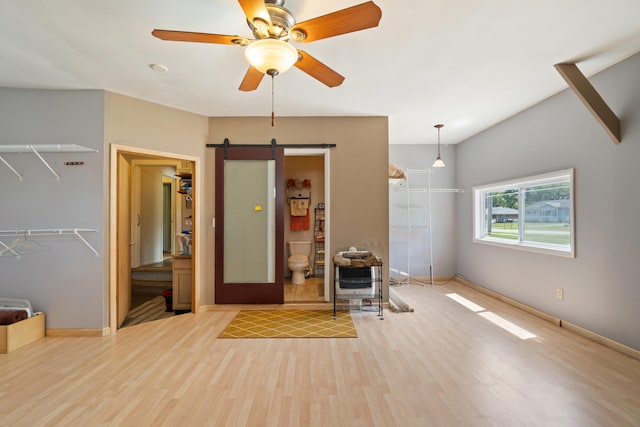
21 333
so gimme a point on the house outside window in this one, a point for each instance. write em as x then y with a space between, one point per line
533 213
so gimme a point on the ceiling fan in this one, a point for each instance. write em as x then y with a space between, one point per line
274 27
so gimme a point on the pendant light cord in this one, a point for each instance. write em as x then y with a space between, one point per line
273 114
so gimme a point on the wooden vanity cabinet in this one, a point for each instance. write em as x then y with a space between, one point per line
182 282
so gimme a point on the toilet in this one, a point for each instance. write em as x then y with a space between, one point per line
298 262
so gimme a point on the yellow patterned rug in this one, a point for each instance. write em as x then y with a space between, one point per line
290 324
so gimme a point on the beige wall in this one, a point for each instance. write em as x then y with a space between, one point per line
359 214
358 166
138 123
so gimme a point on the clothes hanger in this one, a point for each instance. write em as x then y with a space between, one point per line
25 246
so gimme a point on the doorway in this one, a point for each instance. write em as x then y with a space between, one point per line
155 208
245 293
130 208
306 168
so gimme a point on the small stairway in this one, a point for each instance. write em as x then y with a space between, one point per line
156 278
158 275
148 281
147 284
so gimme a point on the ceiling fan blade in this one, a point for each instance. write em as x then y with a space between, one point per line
255 9
355 18
318 70
251 80
186 36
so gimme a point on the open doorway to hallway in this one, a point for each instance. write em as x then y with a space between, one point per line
161 204
154 221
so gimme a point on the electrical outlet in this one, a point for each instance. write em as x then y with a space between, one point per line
559 293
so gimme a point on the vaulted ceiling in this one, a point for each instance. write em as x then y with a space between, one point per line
466 63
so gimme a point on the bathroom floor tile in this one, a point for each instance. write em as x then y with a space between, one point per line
312 290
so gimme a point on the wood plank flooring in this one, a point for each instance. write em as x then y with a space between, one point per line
442 365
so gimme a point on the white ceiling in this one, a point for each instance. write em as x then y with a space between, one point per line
466 63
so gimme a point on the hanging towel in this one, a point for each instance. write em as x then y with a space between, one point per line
300 222
299 207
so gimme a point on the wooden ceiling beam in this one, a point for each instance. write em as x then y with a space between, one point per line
591 99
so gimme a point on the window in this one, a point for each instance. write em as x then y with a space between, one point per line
533 213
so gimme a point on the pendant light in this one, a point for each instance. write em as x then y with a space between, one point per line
271 56
438 163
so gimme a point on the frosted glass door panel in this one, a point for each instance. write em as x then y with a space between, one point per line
249 218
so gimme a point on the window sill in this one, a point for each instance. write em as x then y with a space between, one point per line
529 247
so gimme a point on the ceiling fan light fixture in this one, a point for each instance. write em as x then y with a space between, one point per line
439 163
269 55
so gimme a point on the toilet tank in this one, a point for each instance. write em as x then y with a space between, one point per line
299 248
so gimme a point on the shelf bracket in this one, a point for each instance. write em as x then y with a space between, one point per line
79 236
11 167
32 148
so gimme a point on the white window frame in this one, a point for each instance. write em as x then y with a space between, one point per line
521 183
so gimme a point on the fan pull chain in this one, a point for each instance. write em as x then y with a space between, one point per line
273 114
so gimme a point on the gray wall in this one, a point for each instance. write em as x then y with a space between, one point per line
443 225
601 285
66 281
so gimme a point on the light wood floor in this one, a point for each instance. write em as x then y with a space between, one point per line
442 365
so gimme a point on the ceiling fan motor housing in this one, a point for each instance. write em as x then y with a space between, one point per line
281 18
